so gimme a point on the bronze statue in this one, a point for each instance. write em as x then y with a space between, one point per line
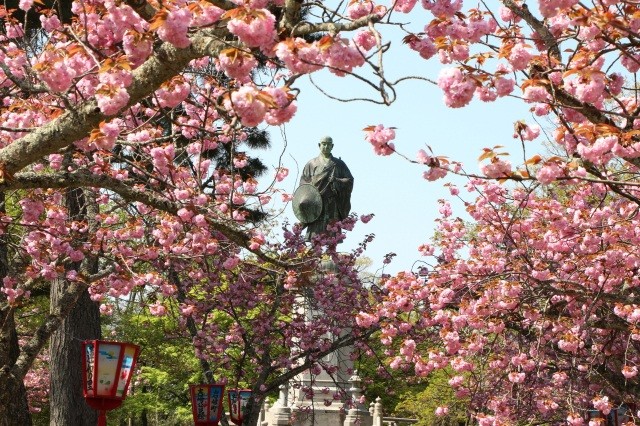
324 194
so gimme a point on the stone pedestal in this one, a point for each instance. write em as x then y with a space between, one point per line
318 398
324 399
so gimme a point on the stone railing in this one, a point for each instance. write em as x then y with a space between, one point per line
378 418
398 421
280 413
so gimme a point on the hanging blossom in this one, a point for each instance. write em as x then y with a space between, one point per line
172 26
457 87
55 71
137 46
380 138
248 104
299 56
237 64
340 55
284 104
423 45
254 27
173 92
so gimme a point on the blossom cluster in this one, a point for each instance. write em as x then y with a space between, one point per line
511 302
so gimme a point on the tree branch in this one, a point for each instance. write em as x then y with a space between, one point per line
129 192
304 28
52 322
549 40
77 123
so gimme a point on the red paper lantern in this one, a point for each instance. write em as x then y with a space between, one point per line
206 404
107 368
238 401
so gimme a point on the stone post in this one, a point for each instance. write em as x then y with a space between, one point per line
263 420
280 412
377 412
358 413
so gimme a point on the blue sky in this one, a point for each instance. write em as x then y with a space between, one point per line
405 205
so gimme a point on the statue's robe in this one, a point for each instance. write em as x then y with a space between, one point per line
334 181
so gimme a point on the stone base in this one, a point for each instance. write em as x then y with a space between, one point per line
358 418
318 416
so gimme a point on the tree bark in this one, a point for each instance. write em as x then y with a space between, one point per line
14 409
68 406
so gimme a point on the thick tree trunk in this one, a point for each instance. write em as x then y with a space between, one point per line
14 409
252 414
68 406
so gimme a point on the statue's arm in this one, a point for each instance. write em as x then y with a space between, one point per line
307 176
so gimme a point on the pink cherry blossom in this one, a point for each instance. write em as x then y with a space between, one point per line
496 168
172 93
516 377
445 8
526 131
458 89
359 8
111 98
281 173
504 86
549 172
442 411
247 105
25 4
404 6
629 371
601 403
434 173
365 40
519 57
485 94
380 138
285 106
550 8
137 46
299 56
207 14
175 26
424 46
256 28
341 56
50 23
157 309
237 64
366 218
55 72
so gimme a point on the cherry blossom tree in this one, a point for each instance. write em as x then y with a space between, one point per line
123 99
529 310
122 102
531 307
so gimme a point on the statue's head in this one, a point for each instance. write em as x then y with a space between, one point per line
326 145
